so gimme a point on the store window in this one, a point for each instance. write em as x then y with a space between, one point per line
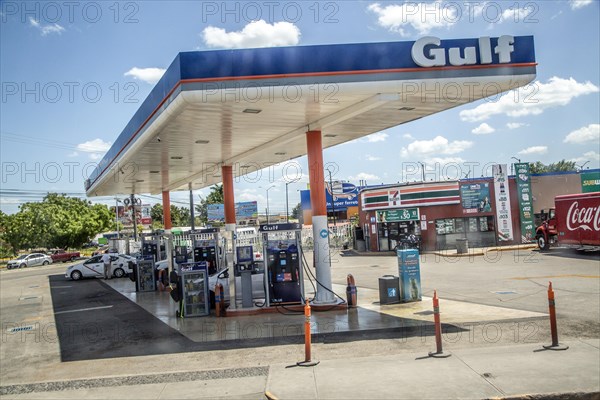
479 231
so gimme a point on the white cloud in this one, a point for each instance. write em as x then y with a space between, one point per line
437 145
408 136
148 75
255 34
590 133
575 4
46 29
532 99
515 125
377 137
443 161
517 15
95 148
534 150
364 176
73 154
589 156
369 157
483 129
422 17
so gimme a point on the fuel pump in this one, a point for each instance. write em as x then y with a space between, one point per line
283 268
206 248
153 245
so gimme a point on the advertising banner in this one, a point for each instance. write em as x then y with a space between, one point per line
246 210
590 182
215 212
142 215
525 202
341 195
409 271
404 214
243 211
503 215
475 198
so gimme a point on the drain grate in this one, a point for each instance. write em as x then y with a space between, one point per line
505 292
29 298
20 329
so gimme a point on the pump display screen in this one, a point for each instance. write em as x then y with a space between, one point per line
244 253
282 262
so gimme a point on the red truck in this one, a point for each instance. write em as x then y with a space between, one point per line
63 256
574 222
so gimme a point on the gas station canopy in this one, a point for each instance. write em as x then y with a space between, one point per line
251 108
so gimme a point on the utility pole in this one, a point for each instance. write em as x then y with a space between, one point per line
191 206
117 216
332 198
287 213
133 200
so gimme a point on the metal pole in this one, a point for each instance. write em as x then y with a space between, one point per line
134 218
117 215
267 206
191 207
287 213
332 198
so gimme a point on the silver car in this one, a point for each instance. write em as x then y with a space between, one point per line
29 260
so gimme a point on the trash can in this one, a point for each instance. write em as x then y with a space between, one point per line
389 289
462 246
361 245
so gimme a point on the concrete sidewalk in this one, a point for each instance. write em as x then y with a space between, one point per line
469 373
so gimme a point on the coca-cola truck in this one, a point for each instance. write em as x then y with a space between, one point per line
573 222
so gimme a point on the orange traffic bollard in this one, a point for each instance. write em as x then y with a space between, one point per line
553 329
351 292
219 299
439 353
307 340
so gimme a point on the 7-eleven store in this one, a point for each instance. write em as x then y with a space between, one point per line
431 211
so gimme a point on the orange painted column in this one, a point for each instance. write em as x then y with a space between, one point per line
318 202
166 203
228 197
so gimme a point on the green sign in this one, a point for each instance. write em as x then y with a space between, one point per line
102 240
525 202
590 182
399 215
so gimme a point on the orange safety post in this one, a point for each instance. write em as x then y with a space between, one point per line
553 329
439 353
351 296
307 339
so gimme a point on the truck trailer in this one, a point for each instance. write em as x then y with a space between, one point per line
573 222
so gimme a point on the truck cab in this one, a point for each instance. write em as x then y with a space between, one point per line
545 233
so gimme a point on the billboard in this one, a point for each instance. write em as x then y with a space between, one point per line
503 215
341 195
243 211
590 182
142 215
523 179
475 198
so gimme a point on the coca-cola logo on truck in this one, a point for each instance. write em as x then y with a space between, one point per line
583 218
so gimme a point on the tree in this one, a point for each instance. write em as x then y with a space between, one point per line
538 167
214 197
156 213
57 221
297 211
180 216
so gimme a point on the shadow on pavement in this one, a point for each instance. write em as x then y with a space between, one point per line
93 321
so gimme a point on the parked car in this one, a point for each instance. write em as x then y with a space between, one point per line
29 260
94 267
64 256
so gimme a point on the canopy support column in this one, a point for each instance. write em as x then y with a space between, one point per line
322 256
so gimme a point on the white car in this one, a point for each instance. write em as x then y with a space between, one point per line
29 260
94 267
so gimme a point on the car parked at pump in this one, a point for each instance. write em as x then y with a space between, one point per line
94 267
29 260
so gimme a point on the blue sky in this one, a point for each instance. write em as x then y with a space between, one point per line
73 74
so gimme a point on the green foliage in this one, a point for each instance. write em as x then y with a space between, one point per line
214 197
57 221
297 211
561 166
180 216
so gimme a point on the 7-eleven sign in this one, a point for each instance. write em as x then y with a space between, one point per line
394 197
